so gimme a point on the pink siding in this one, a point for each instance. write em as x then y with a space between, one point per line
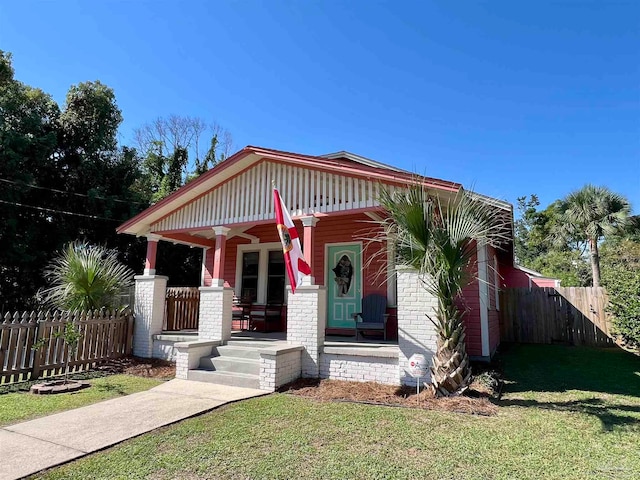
335 229
208 267
514 278
470 302
494 314
543 282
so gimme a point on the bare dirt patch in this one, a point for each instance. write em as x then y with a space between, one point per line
477 402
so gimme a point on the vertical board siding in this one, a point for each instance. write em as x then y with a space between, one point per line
104 335
573 315
494 313
470 303
247 197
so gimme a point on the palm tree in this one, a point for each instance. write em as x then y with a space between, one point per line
591 213
436 237
85 277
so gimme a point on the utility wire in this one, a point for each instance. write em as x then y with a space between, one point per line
67 193
51 210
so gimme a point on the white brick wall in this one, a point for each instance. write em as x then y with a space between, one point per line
415 332
359 369
188 355
150 291
306 320
164 350
214 322
277 369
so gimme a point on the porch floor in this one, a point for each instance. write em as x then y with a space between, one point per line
330 340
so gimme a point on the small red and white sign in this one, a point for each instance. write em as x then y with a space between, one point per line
418 365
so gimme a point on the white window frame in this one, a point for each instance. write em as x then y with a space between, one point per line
263 250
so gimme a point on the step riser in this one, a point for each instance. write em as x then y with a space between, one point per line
236 352
231 365
229 380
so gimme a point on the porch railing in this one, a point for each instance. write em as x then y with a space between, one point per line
182 307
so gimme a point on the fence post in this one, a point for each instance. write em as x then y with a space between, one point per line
129 339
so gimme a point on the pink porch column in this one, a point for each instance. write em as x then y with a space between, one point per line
152 251
218 256
216 301
309 224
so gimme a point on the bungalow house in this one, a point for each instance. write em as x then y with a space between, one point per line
228 212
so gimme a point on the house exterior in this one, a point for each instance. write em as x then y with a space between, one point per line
521 277
228 212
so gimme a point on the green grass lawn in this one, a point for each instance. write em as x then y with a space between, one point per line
566 413
20 406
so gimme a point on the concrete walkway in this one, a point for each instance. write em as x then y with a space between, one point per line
27 448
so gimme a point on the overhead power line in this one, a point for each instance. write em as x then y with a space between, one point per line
63 212
68 193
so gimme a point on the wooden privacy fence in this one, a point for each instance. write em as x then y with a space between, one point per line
103 335
574 315
182 307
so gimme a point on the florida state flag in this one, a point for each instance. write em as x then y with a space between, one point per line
293 258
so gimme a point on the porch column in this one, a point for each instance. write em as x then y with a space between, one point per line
306 322
309 223
416 334
216 301
152 251
218 256
150 292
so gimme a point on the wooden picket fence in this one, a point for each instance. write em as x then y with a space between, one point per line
182 308
571 315
103 335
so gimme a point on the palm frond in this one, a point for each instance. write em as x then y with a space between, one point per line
85 277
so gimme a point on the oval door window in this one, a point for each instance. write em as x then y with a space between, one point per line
344 273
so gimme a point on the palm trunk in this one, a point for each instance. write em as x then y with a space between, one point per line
595 261
450 370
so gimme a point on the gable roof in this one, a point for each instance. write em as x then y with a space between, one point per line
343 163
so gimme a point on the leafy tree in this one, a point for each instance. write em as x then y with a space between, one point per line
591 213
90 120
86 277
61 178
621 277
217 153
436 238
28 140
568 266
169 144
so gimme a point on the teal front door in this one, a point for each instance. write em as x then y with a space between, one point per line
344 285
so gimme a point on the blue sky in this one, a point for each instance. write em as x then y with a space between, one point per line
510 98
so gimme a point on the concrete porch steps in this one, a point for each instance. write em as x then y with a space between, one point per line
225 378
235 364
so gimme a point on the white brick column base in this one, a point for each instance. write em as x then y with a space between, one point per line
188 355
306 322
279 366
416 334
150 292
215 313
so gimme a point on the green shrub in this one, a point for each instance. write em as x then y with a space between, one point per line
621 277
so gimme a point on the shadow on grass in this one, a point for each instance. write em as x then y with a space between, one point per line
559 368
611 416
